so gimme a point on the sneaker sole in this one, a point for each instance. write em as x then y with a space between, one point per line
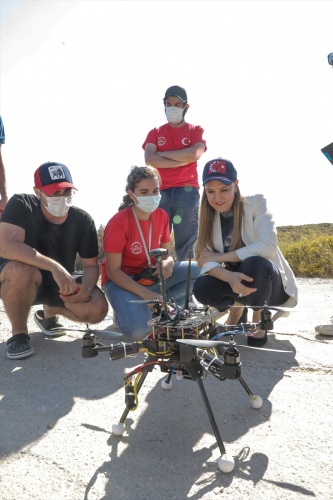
49 333
21 355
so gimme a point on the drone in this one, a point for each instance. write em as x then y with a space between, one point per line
185 341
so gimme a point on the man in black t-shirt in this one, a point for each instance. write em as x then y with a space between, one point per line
40 237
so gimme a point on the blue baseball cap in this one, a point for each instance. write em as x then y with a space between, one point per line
219 170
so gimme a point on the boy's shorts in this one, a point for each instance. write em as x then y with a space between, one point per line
48 291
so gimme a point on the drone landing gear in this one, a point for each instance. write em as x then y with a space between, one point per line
119 428
193 363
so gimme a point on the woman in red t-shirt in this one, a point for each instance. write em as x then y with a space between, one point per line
138 227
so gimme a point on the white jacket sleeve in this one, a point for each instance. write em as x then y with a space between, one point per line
208 266
258 231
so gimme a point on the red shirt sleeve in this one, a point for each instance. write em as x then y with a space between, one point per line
114 239
151 138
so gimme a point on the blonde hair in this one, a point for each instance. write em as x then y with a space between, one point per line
206 219
136 175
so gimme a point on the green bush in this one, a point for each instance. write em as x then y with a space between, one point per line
310 257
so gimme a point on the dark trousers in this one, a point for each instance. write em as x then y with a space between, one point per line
266 279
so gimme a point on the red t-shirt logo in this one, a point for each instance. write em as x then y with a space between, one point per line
136 247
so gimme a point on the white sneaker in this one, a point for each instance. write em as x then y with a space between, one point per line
324 329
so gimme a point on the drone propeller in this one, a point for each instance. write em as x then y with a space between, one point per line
273 308
109 333
145 301
215 343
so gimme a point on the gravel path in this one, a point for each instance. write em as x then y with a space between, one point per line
57 410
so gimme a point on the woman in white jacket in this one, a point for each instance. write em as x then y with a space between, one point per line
238 251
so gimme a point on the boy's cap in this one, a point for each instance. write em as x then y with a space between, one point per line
176 91
219 170
52 176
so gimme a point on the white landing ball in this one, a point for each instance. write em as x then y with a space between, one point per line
226 463
118 429
165 386
256 402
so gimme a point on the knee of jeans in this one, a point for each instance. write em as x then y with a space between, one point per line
137 333
134 328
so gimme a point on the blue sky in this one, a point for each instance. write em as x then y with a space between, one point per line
82 83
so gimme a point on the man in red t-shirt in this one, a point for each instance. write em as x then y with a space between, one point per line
174 149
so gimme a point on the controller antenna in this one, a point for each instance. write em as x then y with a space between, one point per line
188 281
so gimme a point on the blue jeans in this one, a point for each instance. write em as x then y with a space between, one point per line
132 318
182 206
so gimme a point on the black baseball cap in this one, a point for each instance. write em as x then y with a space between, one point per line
176 91
219 170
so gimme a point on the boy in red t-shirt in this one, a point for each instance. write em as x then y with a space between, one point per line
174 149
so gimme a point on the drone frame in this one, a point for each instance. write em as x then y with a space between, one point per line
177 344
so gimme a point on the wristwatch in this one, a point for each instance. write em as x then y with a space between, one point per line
89 290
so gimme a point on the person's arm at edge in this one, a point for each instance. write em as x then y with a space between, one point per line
3 184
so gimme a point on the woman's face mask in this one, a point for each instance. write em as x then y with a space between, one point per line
174 115
148 204
58 206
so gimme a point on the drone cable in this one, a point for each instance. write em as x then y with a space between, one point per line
210 363
157 353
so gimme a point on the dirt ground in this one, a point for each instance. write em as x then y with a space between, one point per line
57 411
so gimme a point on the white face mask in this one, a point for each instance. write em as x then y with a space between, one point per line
174 115
148 204
59 206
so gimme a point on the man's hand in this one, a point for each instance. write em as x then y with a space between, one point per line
80 294
66 283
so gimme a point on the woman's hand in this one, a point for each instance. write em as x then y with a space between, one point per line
149 295
167 267
205 257
235 281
